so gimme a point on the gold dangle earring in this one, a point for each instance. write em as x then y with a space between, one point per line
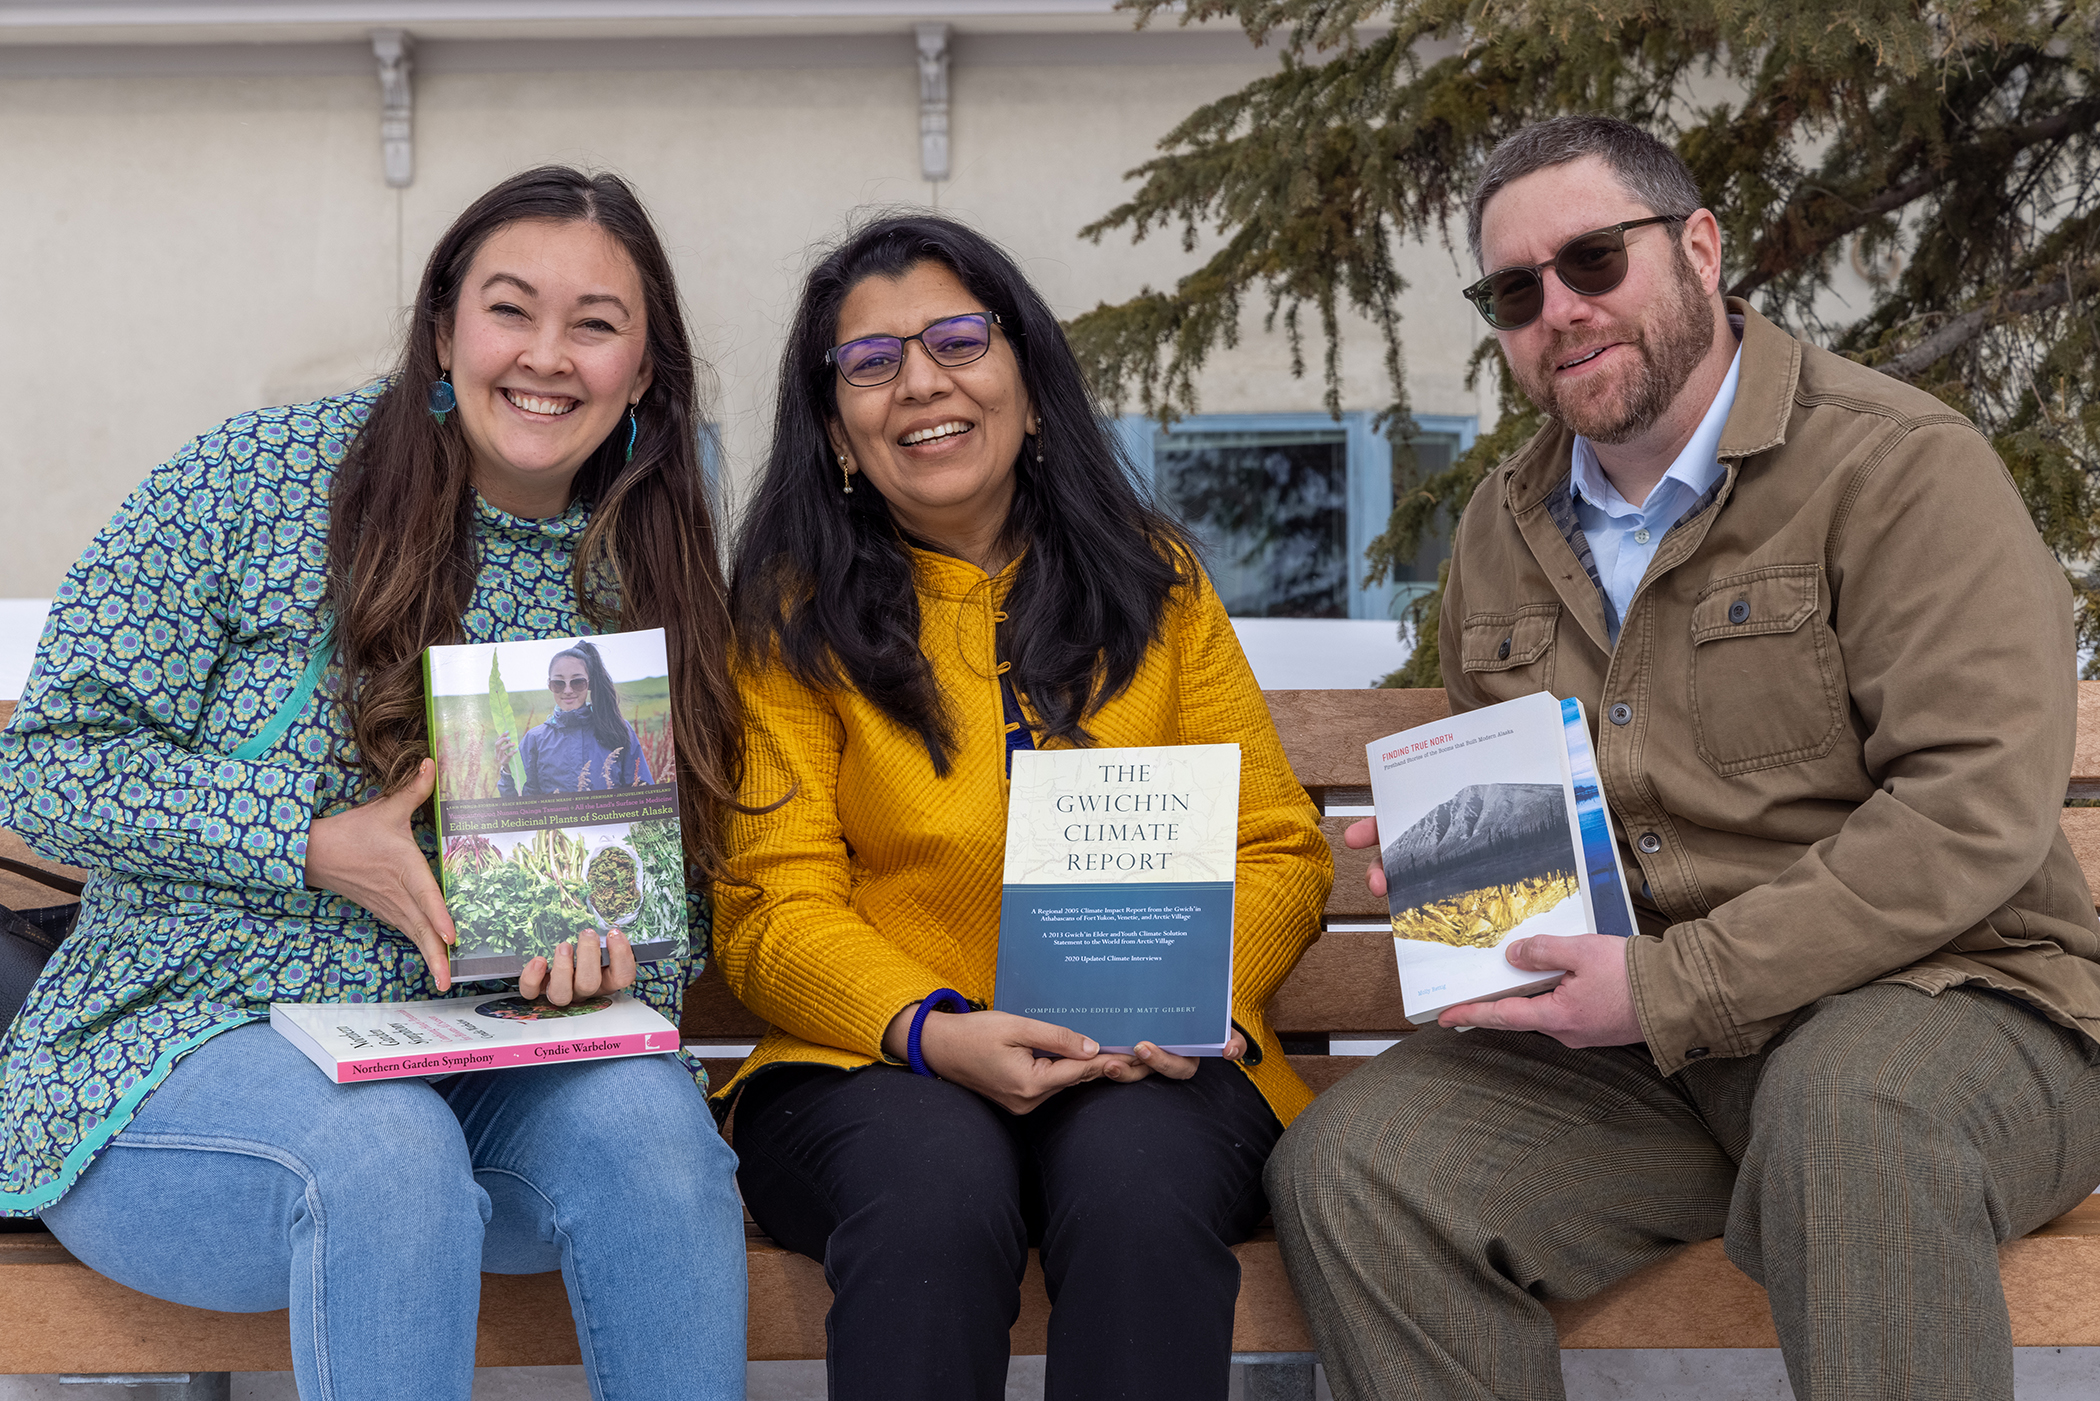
846 473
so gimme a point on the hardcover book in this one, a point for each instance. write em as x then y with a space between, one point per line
357 1041
1495 829
557 805
1116 920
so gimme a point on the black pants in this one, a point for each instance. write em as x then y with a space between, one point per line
921 1199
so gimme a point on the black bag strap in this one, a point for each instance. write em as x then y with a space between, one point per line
44 929
28 938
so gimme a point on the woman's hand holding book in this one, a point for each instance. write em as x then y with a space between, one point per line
1018 1062
1154 1060
1015 1062
369 855
568 975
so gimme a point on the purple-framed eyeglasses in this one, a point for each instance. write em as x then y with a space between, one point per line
951 341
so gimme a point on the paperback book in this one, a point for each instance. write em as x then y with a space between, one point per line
557 805
1116 920
357 1041
1494 828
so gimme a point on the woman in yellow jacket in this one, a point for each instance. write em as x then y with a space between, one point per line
947 561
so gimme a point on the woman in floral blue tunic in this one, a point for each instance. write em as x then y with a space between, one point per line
225 725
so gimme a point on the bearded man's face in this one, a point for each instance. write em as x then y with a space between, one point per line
1608 366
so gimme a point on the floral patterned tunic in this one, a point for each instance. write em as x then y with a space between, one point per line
176 638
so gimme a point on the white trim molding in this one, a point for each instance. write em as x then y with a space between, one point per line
181 21
933 101
395 51
440 57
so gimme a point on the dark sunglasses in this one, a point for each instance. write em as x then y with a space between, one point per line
574 683
873 360
1590 264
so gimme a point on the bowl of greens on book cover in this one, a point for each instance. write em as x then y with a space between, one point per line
613 885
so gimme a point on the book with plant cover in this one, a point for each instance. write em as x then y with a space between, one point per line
358 1041
1116 919
557 810
1494 829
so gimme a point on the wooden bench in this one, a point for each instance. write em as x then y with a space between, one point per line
63 1317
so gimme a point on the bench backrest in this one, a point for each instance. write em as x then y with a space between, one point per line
1345 985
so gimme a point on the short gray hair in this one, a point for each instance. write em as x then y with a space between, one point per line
1649 170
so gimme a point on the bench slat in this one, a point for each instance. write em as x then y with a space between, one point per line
22 893
1351 901
2085 755
712 1011
1324 732
1346 982
2082 827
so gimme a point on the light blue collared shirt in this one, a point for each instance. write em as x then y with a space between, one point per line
1623 539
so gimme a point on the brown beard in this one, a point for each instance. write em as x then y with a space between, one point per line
1682 334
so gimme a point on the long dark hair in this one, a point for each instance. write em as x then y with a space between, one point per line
608 726
402 556
823 581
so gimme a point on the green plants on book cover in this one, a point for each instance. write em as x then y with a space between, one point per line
557 810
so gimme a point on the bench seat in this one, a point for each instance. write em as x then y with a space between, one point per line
63 1317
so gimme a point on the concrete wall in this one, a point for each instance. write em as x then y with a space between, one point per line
189 236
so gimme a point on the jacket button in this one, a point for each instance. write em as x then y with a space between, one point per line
1650 843
1502 652
1739 611
1697 1053
1622 714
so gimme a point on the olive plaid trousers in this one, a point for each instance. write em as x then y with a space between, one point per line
1863 1167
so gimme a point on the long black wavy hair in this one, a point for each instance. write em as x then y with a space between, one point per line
608 726
823 582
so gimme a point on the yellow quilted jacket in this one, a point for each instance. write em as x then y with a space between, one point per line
878 882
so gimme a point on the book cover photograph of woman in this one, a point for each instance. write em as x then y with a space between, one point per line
557 715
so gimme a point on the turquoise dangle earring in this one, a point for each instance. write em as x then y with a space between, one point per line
442 400
634 427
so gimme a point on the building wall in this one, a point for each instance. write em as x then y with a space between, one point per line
188 236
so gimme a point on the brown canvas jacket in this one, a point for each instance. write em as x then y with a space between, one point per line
1836 732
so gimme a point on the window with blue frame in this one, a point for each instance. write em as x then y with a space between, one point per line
1285 505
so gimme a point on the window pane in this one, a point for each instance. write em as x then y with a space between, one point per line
1433 453
1272 511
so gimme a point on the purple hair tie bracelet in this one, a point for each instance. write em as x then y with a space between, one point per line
937 1001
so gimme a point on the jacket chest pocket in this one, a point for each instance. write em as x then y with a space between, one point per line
1511 654
1766 687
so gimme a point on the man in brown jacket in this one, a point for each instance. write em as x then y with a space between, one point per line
1829 670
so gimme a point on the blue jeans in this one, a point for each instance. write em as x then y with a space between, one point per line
248 1182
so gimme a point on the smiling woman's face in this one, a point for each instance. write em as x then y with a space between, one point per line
546 352
569 682
938 441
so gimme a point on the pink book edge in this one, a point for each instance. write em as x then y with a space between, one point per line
471 1058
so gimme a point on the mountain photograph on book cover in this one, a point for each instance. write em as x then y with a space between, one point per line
1480 866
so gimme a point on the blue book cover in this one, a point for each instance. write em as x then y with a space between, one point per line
1116 920
1610 901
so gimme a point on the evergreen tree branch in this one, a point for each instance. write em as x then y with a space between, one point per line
1959 331
1818 216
